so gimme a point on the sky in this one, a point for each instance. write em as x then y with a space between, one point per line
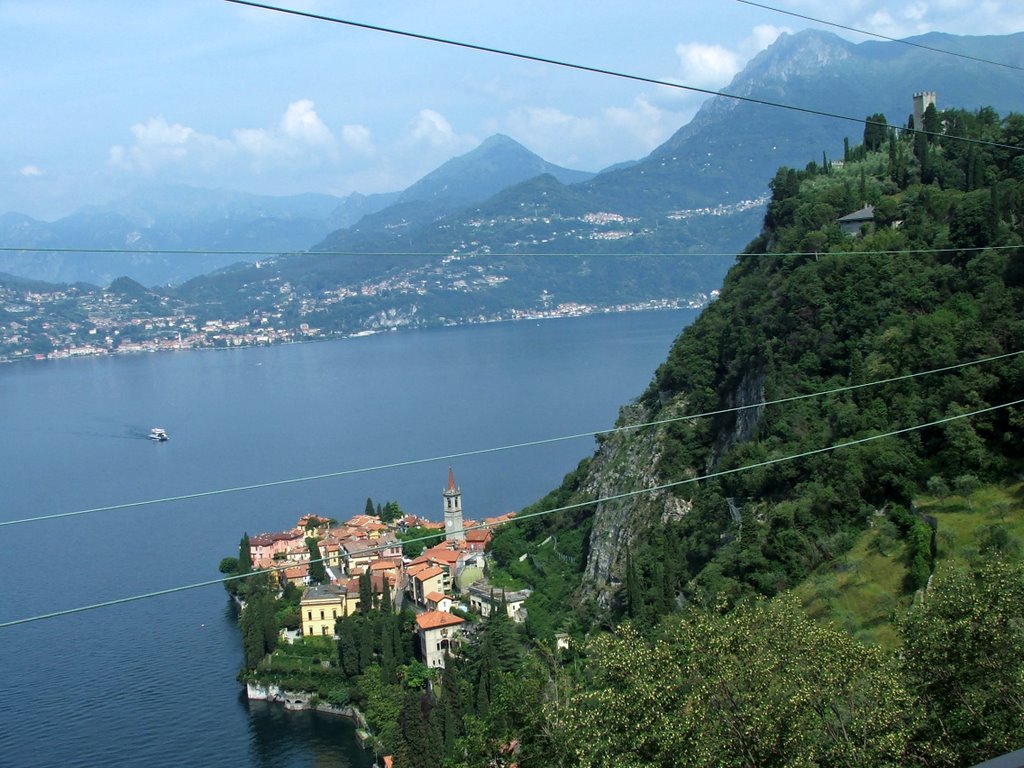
102 97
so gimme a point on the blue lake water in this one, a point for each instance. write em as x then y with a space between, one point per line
152 682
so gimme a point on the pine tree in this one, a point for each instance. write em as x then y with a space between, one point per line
369 506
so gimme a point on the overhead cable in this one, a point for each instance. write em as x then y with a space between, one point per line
901 41
564 508
609 72
495 254
483 451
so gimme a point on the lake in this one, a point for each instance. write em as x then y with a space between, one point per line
153 682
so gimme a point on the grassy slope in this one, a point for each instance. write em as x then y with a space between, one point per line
863 591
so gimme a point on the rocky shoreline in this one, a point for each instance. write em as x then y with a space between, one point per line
299 701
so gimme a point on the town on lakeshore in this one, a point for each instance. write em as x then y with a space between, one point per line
447 579
64 321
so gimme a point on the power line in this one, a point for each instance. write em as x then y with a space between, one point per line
495 254
881 36
483 451
607 72
564 508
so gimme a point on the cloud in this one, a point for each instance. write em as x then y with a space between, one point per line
431 127
300 138
915 17
760 38
706 66
302 125
592 142
358 139
31 171
714 66
159 143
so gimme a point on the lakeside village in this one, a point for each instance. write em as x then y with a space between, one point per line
53 322
35 324
329 621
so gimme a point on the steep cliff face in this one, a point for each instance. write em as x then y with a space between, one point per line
628 462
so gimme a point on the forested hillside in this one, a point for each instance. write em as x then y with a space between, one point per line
706 660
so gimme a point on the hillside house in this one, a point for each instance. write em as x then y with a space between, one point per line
483 598
853 223
439 634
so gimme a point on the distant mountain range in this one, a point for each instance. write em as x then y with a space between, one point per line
480 222
181 217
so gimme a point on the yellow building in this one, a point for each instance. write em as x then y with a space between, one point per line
321 606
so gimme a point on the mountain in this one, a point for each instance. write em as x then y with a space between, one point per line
499 162
731 148
171 217
697 193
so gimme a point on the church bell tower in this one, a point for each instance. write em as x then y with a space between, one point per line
453 528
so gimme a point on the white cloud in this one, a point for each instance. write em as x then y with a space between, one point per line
592 142
915 17
714 66
31 171
302 124
644 123
706 66
159 143
300 139
760 38
358 139
432 128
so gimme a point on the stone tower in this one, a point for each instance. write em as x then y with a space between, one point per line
922 101
453 528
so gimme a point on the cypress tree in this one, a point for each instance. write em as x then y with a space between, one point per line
365 594
252 636
317 571
369 506
402 650
348 648
388 668
365 634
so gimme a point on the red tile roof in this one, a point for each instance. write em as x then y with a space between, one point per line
437 619
429 573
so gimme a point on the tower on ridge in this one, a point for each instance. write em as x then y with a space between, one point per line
922 101
453 527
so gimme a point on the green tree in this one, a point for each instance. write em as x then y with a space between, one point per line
369 506
390 512
317 570
244 555
761 685
963 653
875 132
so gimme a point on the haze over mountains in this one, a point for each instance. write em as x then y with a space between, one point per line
474 204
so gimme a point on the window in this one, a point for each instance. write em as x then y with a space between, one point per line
310 615
323 630
334 613
321 615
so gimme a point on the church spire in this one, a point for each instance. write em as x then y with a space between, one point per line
453 527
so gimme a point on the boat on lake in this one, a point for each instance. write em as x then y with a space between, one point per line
158 433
